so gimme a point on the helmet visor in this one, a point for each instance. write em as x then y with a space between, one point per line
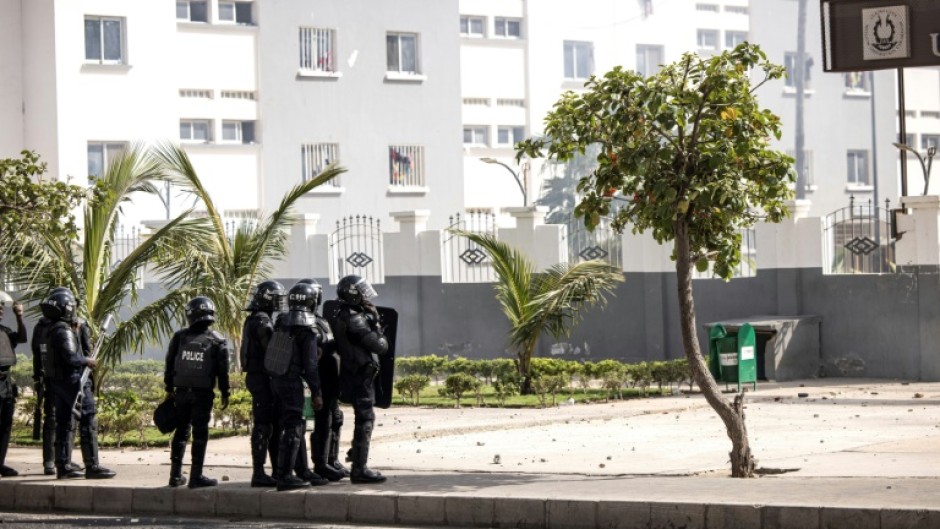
365 289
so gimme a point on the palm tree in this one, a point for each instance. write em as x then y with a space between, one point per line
227 265
87 267
544 302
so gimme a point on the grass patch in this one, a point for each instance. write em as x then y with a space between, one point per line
430 398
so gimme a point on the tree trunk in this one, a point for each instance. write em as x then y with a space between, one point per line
799 82
525 366
742 462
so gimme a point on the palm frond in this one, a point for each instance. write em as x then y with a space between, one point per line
147 324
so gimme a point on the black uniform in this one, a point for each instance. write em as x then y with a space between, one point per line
197 358
8 390
360 340
256 334
289 394
328 420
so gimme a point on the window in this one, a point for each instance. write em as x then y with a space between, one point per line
196 130
477 101
579 59
930 114
707 39
857 168
238 94
475 135
510 28
856 82
238 131
649 59
733 38
104 40
195 93
510 103
472 26
711 8
402 52
406 166
315 157
510 135
789 62
929 140
737 10
909 140
235 12
100 156
807 167
317 50
192 10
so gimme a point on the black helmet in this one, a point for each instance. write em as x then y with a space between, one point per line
59 306
316 286
302 297
200 308
267 296
353 290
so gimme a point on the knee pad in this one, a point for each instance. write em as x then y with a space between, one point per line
200 433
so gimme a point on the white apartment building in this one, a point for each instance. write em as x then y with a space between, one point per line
518 56
922 87
260 94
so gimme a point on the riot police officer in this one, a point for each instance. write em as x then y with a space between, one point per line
8 341
256 333
360 340
291 360
62 348
42 384
328 420
196 359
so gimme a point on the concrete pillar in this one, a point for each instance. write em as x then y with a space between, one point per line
919 232
542 243
413 250
307 251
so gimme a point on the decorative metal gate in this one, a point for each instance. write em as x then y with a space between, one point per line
602 244
356 248
857 239
464 261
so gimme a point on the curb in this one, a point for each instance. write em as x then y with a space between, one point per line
446 510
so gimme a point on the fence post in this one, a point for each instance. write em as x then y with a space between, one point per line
796 242
307 254
413 250
543 243
918 242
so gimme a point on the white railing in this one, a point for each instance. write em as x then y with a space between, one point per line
317 50
406 166
315 157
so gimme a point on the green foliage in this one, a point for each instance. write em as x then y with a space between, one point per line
456 385
141 367
506 385
122 412
22 372
238 413
412 386
687 147
31 203
550 385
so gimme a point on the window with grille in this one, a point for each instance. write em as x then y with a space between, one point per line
238 94
195 93
579 59
709 8
472 26
737 10
507 28
196 130
510 103
315 157
928 141
104 40
857 162
476 101
317 50
406 166
402 53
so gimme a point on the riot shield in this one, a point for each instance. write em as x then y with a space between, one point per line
385 382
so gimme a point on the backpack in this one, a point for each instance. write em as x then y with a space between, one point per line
277 357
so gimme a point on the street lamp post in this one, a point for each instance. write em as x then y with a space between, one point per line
925 165
525 196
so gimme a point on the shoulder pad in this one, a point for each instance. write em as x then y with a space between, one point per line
216 335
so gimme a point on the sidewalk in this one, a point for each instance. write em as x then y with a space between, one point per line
856 454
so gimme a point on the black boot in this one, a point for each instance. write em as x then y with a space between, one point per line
319 453
287 455
274 446
5 471
48 449
302 468
197 479
63 469
359 454
177 479
260 437
93 470
333 457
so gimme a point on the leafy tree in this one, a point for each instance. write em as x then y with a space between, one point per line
412 386
456 385
689 149
505 385
545 302
227 266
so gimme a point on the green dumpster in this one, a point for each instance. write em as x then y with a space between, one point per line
731 355
308 408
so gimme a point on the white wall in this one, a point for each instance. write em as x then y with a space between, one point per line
11 71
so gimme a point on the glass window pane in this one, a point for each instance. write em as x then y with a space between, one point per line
464 25
501 27
93 39
468 135
502 136
243 13
226 11
200 130
185 130
248 131
182 10
476 26
198 12
569 60
112 40
391 49
95 159
585 61
513 28
518 134
113 151
409 53
230 131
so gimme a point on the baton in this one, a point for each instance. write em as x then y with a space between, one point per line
86 373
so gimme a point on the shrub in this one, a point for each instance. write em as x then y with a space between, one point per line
506 385
549 385
412 386
456 385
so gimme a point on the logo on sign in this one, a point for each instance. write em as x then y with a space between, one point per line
193 356
885 31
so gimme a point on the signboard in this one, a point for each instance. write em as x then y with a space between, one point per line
861 35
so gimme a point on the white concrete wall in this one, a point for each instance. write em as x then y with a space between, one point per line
11 71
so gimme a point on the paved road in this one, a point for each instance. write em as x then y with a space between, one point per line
49 521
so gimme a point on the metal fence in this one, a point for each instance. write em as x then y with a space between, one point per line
126 240
464 261
857 239
747 267
356 247
601 244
